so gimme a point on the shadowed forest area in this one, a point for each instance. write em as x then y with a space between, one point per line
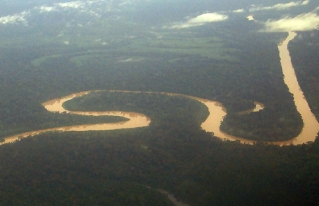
112 167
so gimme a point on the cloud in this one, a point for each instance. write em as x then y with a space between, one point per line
305 2
125 3
250 18
200 20
281 6
65 5
72 4
45 9
88 7
14 19
81 6
239 11
302 22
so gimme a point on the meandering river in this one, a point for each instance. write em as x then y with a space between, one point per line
212 124
311 126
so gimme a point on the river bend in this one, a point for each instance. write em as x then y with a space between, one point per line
217 112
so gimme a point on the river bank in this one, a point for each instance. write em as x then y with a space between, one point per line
311 126
217 111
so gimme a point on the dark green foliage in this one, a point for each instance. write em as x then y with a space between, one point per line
160 108
174 154
256 76
304 52
112 167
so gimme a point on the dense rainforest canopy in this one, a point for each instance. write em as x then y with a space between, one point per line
49 49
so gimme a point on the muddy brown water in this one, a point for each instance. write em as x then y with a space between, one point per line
212 124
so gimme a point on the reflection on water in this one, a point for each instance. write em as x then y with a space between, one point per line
212 124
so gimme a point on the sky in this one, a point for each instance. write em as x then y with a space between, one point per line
288 20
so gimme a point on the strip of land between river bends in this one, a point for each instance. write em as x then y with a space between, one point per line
216 110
